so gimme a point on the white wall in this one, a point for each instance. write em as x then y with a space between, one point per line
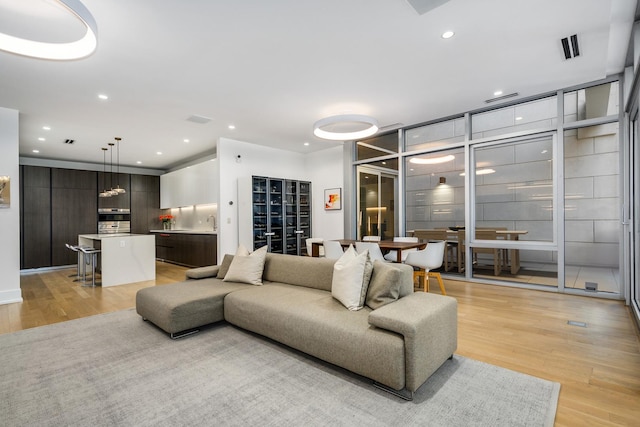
10 217
327 171
323 169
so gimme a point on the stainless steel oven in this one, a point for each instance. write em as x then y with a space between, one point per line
114 220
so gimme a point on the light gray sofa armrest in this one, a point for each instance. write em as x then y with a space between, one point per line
429 325
202 272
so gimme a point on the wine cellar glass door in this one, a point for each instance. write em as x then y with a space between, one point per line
259 212
292 228
280 214
275 217
304 217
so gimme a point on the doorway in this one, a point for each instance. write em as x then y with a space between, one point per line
377 193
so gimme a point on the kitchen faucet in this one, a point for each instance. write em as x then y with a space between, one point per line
213 218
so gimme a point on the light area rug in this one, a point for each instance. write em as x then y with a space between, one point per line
115 369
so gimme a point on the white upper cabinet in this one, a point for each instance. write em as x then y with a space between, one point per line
192 185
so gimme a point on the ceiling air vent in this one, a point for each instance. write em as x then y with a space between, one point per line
69 141
500 98
570 46
424 6
198 119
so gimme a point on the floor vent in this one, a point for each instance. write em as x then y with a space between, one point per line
591 286
575 323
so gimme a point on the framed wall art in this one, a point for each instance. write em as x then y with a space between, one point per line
333 199
5 192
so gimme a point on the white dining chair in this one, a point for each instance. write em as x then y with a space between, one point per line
371 239
425 260
332 249
374 250
312 240
392 255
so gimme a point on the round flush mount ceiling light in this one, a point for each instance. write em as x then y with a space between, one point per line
80 48
345 127
432 160
447 34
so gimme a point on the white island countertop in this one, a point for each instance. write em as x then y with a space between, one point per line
124 257
107 236
184 231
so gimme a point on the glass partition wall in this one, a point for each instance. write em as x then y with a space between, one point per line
526 194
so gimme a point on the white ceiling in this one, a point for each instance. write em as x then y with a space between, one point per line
273 68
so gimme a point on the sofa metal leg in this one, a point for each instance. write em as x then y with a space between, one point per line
182 334
403 394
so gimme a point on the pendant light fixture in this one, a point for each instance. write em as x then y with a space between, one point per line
118 189
104 193
113 192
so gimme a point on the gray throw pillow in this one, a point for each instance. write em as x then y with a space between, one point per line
224 266
384 287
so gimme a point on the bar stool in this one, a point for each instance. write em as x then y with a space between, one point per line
93 254
76 249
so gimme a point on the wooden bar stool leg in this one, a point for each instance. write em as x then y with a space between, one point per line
440 281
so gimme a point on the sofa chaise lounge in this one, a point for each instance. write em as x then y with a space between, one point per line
398 345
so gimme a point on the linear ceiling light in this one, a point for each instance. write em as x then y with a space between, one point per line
346 127
433 160
58 51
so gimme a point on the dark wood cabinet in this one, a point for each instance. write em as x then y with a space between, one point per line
74 211
145 203
35 217
193 250
56 205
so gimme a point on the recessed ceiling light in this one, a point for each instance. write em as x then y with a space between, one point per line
102 96
497 93
232 127
159 153
447 34
306 144
518 118
41 139
36 151
46 128
139 162
186 140
384 163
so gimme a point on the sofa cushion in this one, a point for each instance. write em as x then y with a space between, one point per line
202 272
247 268
312 321
304 271
349 283
385 284
184 305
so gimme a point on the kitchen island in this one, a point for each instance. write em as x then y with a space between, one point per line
124 258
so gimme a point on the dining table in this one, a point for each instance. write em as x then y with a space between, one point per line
513 255
385 245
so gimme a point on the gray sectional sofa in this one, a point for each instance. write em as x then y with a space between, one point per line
399 344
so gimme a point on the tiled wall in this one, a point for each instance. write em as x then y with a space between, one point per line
592 206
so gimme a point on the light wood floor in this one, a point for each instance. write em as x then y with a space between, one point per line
523 330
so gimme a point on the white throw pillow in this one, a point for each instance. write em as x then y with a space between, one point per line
245 267
351 274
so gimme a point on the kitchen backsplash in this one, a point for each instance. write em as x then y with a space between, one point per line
199 217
